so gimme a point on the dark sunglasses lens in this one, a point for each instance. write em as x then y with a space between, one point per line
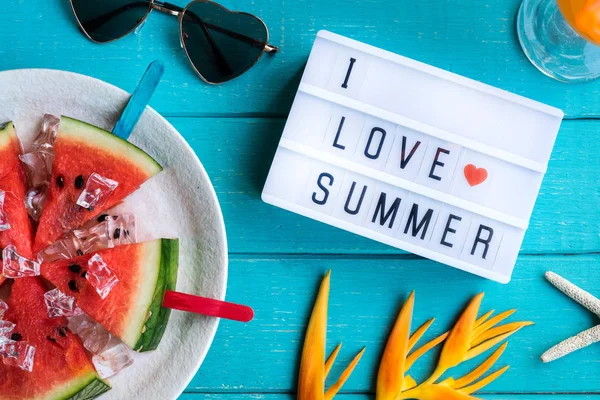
106 20
221 44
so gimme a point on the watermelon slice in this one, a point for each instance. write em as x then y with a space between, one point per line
61 368
133 310
80 150
12 182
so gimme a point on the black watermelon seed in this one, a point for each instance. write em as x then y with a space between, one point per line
91 208
79 252
62 331
102 218
50 338
84 274
73 285
115 217
79 181
60 181
117 233
16 336
76 268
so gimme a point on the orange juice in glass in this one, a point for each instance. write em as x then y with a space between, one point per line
562 37
583 16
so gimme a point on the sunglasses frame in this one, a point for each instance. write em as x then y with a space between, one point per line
180 13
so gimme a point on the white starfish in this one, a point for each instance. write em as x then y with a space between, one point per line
584 338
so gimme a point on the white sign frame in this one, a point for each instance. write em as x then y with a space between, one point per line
513 134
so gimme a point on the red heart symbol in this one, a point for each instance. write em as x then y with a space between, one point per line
475 175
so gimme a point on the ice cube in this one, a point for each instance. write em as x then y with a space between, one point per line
63 249
4 224
121 230
6 328
59 304
94 337
18 354
100 276
16 266
37 164
77 243
93 238
110 355
79 321
104 232
112 360
3 308
96 191
47 134
35 198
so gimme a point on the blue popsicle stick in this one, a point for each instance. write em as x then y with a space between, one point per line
139 100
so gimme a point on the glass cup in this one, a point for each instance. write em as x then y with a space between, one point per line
562 37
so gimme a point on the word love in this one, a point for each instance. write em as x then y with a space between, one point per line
409 148
412 156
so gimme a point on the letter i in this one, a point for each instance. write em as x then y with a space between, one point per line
345 84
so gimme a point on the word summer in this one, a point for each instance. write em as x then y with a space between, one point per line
405 216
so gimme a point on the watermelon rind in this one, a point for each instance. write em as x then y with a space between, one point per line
157 316
87 391
76 130
6 133
85 387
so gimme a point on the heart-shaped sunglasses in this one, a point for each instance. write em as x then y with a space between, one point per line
220 44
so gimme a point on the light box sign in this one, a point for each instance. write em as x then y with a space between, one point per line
412 156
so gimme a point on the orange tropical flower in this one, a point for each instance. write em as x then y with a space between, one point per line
313 367
470 337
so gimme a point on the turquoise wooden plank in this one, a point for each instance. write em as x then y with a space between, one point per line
238 152
476 39
365 296
473 38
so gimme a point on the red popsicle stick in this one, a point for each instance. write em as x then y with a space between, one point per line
205 306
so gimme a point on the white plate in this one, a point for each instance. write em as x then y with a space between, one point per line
179 202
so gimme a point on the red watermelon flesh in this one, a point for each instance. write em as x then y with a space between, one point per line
80 150
61 368
132 311
13 183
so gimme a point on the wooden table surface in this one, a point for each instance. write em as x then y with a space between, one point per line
278 258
